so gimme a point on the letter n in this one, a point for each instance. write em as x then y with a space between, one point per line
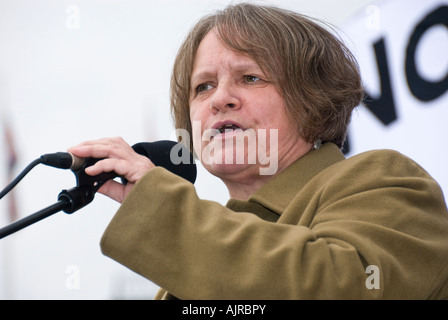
382 107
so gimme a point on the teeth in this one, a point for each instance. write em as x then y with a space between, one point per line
228 126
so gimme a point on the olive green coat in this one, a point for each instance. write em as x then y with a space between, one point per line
374 226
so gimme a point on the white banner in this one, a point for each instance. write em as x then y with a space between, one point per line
402 48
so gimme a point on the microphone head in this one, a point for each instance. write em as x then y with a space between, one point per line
171 155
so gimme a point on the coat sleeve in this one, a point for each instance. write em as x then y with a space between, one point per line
195 249
198 249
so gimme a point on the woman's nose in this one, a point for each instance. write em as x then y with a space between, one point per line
225 98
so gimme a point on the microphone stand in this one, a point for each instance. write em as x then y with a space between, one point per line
44 213
69 201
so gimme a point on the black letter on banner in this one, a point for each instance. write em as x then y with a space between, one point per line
383 107
422 89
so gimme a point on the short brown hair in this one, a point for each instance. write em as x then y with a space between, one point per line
314 71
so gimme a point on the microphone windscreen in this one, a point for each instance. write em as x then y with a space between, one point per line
173 156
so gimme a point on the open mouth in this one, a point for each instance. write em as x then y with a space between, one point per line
226 129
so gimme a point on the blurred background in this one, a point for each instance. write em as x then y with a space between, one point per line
85 69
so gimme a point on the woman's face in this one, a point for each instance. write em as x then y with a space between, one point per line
240 126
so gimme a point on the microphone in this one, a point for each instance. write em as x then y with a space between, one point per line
173 156
163 153
62 160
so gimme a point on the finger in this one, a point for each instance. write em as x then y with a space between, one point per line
105 141
94 151
106 165
117 156
132 168
101 148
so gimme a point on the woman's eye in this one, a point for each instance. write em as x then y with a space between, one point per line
203 87
251 79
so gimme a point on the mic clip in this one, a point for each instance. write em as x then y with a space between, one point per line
86 187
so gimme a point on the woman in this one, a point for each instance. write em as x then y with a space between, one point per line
317 226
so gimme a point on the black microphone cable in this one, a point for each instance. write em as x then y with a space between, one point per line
22 174
62 160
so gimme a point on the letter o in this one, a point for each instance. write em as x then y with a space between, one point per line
422 89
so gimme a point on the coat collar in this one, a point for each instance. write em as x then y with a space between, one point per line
272 198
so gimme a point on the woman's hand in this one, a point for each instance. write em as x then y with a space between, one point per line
118 157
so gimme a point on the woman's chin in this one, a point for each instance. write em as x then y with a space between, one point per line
226 170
